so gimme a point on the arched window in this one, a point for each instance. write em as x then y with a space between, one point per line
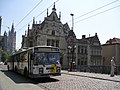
53 32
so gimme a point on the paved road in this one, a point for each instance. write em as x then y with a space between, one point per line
12 81
70 82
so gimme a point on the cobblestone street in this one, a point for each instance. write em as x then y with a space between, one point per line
67 81
71 82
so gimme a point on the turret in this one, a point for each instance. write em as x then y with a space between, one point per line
5 33
33 20
54 9
12 29
59 15
47 12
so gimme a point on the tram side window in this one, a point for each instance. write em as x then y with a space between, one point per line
10 59
23 56
17 58
31 56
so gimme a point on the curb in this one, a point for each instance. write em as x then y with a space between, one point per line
91 77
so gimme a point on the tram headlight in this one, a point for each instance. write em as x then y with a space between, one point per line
58 69
40 70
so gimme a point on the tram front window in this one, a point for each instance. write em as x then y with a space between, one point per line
47 58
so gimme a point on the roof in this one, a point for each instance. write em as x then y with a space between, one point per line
113 41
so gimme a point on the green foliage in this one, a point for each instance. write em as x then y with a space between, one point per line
4 56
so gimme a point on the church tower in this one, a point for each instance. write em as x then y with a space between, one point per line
11 40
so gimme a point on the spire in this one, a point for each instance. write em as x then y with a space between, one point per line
59 15
28 29
47 12
5 33
28 26
25 32
54 9
95 34
33 20
12 29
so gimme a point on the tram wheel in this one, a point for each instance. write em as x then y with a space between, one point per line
8 67
16 69
25 72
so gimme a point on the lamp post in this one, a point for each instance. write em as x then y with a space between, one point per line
72 20
71 47
72 61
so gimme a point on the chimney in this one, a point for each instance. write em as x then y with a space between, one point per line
83 36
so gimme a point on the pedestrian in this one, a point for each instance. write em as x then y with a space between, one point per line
112 67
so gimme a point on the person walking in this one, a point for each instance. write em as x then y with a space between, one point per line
112 67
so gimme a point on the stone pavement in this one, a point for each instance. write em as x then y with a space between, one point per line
94 75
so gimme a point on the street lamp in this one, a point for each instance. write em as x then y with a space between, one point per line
72 62
72 47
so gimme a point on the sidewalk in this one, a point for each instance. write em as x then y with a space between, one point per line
94 75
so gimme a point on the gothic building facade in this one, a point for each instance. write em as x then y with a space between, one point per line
8 41
52 32
3 39
11 40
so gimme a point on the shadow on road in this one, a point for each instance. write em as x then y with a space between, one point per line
17 78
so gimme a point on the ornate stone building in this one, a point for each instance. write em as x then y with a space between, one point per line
88 52
52 32
11 40
8 41
3 39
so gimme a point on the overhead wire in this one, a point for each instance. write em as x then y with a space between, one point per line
95 9
46 9
98 13
83 14
28 13
37 15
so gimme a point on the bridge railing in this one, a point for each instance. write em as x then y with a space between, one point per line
97 69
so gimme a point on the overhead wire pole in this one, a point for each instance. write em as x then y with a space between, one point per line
72 20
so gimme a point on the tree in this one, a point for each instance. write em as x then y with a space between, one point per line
4 56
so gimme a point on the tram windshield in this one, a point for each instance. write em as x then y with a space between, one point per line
47 58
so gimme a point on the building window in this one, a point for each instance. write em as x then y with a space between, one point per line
82 51
31 43
78 49
52 44
53 32
57 43
81 62
85 62
78 61
48 42
85 51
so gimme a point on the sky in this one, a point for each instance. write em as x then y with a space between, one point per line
90 16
